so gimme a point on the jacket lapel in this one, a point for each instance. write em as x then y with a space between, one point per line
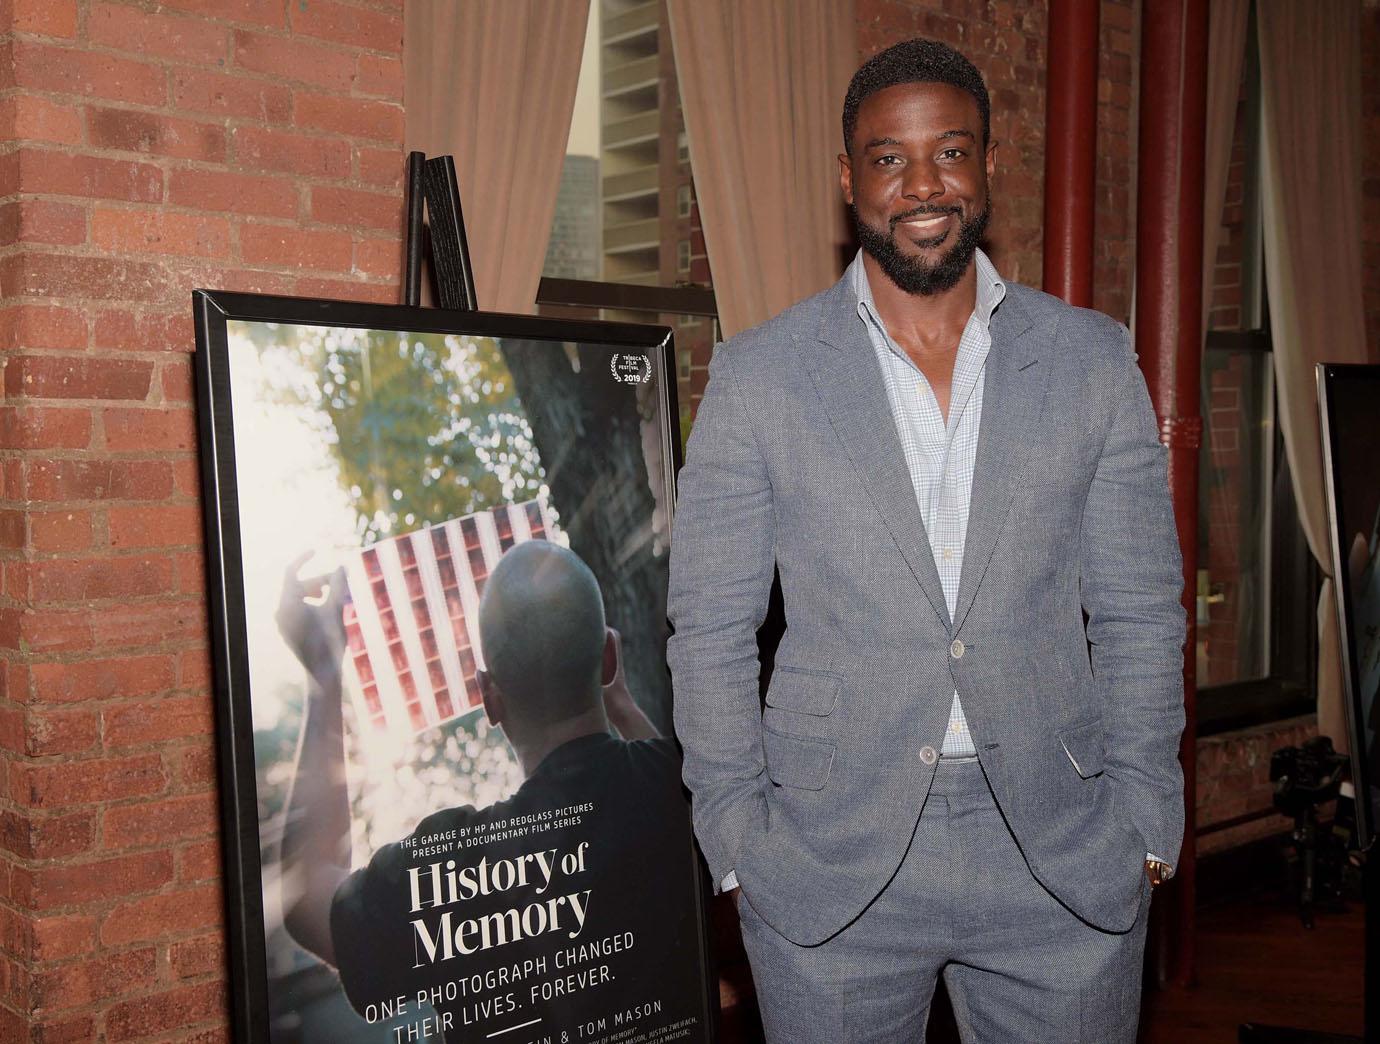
1014 386
848 379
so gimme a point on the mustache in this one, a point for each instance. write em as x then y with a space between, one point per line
923 211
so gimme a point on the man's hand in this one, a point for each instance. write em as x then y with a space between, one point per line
623 712
314 631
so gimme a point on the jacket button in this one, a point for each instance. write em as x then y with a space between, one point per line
927 755
957 649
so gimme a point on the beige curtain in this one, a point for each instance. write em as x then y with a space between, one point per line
492 82
1226 59
1311 191
762 86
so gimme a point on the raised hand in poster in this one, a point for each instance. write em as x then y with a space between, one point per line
310 618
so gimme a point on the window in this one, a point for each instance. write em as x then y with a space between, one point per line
1236 469
1257 583
609 254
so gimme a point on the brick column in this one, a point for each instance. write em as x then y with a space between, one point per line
244 144
1070 161
1169 338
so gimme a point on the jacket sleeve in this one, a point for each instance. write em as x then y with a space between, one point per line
722 561
1132 579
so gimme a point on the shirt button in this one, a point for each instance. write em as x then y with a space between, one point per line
957 649
927 755
948 553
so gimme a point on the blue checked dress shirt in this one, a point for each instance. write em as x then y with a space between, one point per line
939 455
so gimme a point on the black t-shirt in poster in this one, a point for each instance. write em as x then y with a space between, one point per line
570 902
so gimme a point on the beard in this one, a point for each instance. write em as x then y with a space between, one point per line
915 275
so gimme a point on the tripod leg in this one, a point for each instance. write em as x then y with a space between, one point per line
1308 843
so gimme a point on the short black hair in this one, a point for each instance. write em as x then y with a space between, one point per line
914 61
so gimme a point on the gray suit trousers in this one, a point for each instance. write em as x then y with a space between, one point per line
1019 966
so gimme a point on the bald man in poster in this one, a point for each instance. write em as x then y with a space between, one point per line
553 682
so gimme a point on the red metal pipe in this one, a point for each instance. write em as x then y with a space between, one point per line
1169 293
1070 149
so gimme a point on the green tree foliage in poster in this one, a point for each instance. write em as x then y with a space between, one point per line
424 427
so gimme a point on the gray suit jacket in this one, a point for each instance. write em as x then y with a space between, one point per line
794 463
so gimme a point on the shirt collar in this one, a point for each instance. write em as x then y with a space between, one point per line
991 290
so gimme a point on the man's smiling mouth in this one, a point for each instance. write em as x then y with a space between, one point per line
925 224
925 231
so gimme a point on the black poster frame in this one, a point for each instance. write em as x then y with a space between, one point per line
213 310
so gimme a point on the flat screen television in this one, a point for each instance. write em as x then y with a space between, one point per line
1349 403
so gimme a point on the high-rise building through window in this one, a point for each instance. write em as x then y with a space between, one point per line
626 213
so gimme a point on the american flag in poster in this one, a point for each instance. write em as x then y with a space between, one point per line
412 616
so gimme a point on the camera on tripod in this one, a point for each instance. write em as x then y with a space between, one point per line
1306 777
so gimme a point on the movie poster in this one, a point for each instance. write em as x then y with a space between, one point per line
453 557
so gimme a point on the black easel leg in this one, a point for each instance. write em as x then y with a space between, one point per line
416 199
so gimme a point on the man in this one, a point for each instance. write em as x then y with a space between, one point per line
553 681
953 773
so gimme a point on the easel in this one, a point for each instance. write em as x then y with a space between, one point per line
431 184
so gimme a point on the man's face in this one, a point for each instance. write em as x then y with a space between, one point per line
916 181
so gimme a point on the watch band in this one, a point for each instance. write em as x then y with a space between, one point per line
1158 870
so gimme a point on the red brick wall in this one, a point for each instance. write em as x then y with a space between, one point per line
1006 41
147 149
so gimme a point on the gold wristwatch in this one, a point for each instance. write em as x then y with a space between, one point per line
1158 871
